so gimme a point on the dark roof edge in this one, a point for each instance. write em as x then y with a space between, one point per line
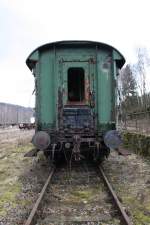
70 42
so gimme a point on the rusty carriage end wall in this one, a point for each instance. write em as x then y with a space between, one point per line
139 143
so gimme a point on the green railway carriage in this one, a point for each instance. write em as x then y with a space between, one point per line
75 95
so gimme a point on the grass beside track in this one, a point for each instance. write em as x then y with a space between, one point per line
140 143
12 165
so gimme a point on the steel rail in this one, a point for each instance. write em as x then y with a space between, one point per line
29 221
124 216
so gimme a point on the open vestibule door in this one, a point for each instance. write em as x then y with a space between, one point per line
78 91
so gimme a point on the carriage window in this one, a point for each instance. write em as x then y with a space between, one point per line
76 85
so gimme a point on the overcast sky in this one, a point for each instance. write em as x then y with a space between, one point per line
27 24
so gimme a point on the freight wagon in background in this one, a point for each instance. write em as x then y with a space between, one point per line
15 115
75 98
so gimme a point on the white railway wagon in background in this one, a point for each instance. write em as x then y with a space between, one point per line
14 115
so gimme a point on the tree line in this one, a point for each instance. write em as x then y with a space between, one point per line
134 86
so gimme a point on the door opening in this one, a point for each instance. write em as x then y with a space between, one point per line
76 84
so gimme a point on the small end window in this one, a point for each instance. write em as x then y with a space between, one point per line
76 84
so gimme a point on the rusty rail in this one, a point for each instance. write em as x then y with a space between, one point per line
35 207
124 216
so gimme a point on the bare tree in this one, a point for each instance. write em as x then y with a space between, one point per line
143 61
128 88
128 82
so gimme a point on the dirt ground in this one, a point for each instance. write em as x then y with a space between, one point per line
21 179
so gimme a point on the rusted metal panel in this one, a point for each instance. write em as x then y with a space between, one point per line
78 118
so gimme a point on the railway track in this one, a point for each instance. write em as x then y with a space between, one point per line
82 195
